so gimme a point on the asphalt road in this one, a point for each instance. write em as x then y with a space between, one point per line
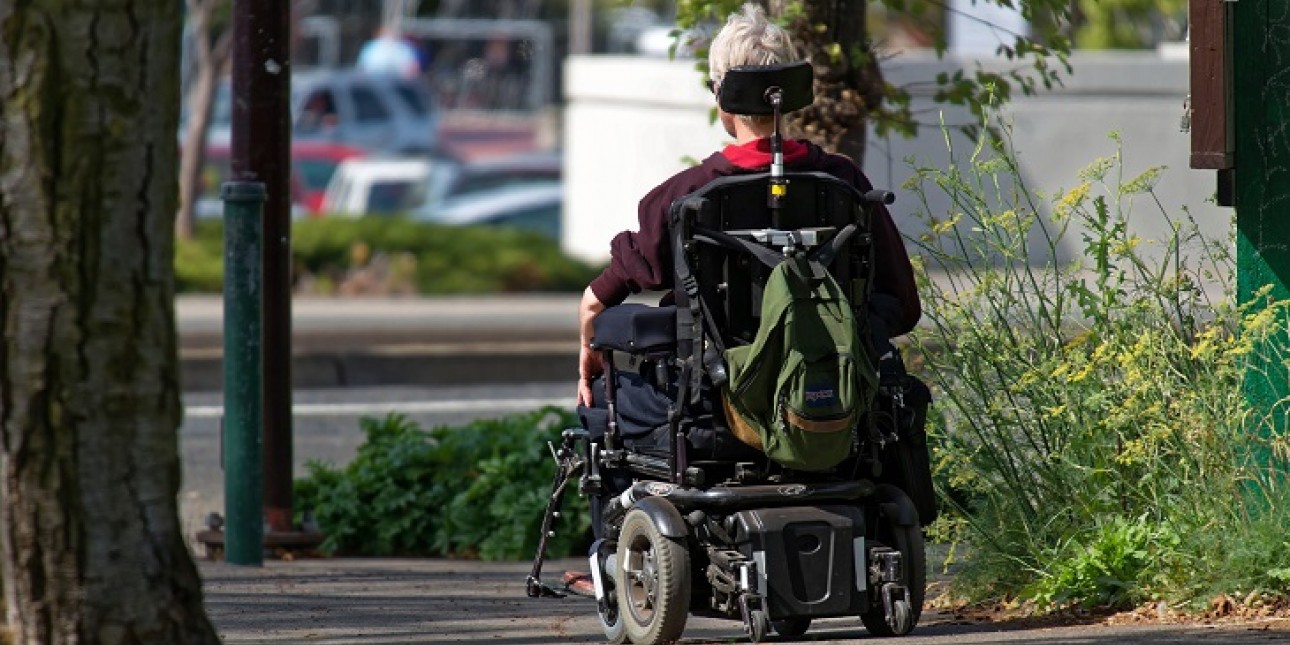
363 321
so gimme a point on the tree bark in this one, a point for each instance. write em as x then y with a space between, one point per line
848 82
89 402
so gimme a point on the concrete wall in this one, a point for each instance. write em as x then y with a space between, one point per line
631 122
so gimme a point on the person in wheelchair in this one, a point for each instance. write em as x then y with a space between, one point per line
736 441
642 260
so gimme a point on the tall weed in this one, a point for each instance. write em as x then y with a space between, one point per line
1093 439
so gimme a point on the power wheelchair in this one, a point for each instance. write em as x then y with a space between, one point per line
689 519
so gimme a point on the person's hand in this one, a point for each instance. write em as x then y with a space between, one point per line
589 367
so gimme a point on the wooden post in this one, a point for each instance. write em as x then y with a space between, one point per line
1212 114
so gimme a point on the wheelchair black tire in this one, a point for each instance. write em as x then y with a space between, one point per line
653 589
758 625
908 539
611 622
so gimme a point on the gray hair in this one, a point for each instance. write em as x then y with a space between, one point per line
749 38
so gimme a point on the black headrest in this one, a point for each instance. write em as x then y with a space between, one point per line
744 88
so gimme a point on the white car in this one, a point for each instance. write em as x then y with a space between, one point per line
534 207
377 186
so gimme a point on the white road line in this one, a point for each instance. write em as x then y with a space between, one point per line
403 407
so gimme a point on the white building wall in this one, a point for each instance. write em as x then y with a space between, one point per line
631 122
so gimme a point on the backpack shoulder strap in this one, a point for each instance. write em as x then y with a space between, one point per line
721 238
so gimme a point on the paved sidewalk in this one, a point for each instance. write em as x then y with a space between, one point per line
409 602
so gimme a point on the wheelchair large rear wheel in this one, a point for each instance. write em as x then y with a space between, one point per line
653 582
908 539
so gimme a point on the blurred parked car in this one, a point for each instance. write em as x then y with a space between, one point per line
377 186
312 166
500 172
315 164
375 113
535 207
456 179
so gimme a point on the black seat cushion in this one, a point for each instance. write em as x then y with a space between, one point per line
635 328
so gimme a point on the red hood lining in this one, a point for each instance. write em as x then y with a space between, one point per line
756 154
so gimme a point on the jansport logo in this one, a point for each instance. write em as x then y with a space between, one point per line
821 397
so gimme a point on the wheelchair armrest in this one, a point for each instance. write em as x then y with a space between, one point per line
635 328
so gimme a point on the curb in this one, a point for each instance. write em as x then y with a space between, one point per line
457 364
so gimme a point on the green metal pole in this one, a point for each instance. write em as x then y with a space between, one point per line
1262 187
243 372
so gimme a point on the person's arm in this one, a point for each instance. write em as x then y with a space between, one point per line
893 273
588 361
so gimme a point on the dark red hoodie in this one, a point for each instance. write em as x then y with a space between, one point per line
642 260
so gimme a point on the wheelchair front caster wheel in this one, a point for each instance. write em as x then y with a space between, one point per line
758 625
611 622
902 618
791 627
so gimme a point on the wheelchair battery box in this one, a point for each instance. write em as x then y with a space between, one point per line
635 328
810 561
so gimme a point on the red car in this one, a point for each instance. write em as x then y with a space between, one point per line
312 165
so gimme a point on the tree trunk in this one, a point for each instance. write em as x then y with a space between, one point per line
848 83
211 57
89 404
201 102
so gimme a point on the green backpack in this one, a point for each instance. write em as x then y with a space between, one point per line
803 385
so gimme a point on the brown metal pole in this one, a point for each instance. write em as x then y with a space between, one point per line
261 151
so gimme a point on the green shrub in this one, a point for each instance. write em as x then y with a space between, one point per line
1091 435
477 490
1106 566
425 258
199 262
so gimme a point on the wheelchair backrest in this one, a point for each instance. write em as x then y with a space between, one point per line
728 281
